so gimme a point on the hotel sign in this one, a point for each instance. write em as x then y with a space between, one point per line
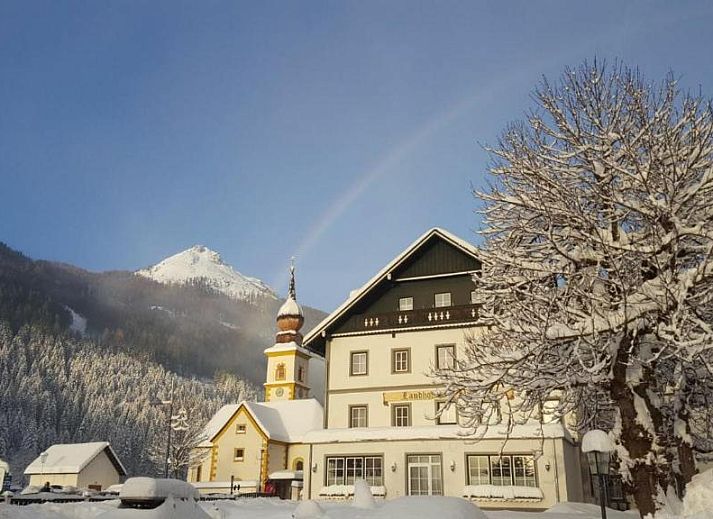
408 396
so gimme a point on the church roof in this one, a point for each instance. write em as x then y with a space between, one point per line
313 337
284 420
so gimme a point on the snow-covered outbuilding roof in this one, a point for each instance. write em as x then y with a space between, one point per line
356 295
285 420
71 458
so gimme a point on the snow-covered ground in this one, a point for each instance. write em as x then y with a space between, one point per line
402 508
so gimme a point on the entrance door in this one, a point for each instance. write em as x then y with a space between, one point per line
424 475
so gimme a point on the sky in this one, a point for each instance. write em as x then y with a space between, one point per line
336 132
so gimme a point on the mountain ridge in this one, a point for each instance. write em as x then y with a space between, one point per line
202 263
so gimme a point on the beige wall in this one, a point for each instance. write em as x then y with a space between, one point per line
252 441
277 457
552 482
345 389
54 479
100 471
202 453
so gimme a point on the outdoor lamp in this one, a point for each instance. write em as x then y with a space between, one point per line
598 447
393 467
314 467
453 466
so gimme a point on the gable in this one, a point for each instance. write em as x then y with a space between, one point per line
241 415
433 259
436 257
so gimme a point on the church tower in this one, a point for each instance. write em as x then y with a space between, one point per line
287 360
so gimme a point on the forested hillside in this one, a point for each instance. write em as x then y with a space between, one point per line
85 356
191 329
58 389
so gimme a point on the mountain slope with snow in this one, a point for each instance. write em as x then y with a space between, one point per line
200 264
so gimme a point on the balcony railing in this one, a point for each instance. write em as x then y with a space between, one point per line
410 318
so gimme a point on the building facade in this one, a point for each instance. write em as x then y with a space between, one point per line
385 416
93 466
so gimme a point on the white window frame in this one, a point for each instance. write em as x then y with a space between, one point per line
401 360
401 420
405 304
241 428
445 347
441 301
363 417
343 470
354 355
444 419
237 457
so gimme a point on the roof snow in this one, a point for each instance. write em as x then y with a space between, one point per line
71 458
434 432
201 263
286 420
290 308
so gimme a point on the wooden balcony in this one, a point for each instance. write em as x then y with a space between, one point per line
411 318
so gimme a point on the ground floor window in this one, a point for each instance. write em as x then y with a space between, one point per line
344 470
424 475
496 470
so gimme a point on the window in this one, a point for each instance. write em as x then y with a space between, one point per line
358 416
473 297
518 470
524 471
424 475
478 470
400 361
238 454
405 304
280 371
301 374
359 363
240 428
443 299
346 470
199 470
401 415
445 356
448 414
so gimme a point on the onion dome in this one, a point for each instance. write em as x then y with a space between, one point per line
290 317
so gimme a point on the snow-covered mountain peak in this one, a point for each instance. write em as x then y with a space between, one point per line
199 263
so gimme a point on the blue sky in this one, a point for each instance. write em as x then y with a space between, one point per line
335 131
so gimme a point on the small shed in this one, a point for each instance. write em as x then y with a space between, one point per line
92 465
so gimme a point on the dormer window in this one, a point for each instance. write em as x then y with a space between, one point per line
442 299
405 304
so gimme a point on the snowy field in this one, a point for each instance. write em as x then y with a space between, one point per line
405 508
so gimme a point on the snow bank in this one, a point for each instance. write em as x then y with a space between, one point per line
308 510
171 508
363 498
348 490
429 507
500 493
699 495
150 489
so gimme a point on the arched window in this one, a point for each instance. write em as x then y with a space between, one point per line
280 371
298 464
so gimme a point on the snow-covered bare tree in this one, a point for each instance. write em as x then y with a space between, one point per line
597 275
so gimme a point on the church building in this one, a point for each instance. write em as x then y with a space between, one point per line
384 417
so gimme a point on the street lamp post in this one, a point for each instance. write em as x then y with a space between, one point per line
598 447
